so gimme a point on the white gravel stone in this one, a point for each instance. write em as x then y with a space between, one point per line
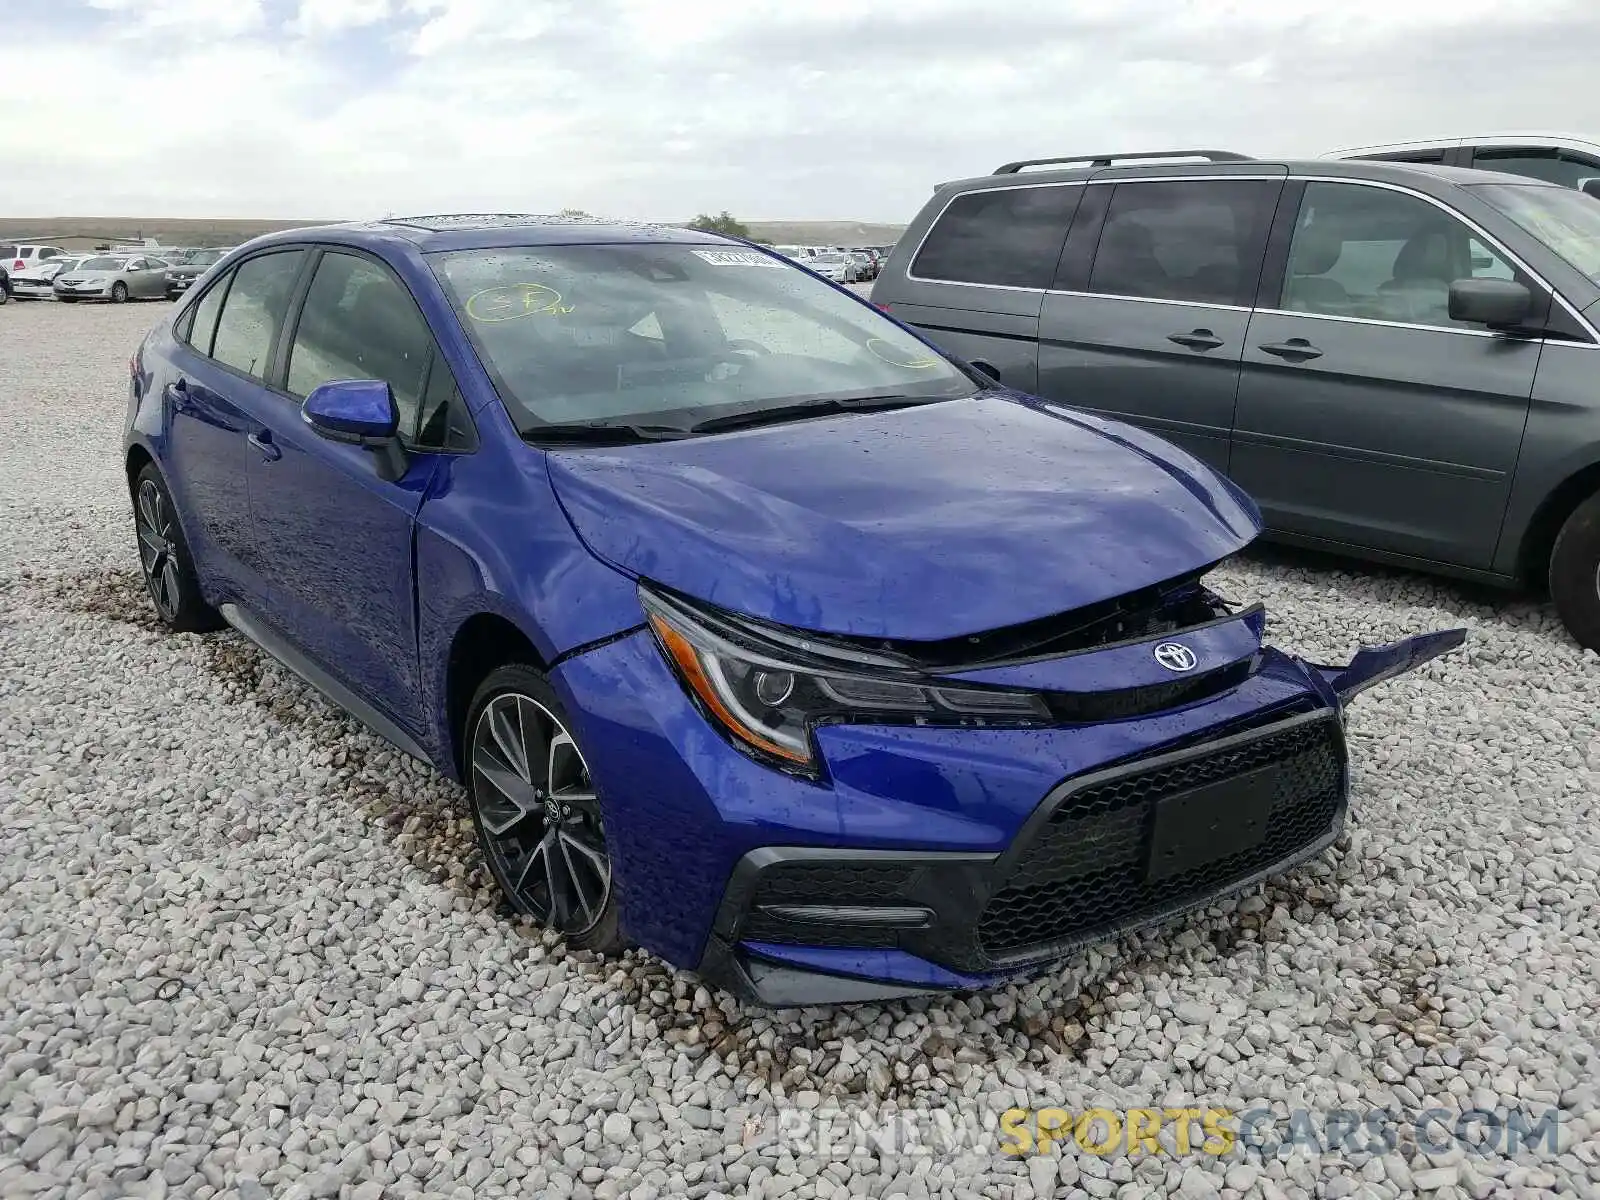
250 951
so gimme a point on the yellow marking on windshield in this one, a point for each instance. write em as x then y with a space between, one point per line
895 356
511 301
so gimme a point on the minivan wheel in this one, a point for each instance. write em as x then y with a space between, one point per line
1575 573
536 811
119 292
165 561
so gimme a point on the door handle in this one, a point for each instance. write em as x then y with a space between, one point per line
1199 339
178 393
1295 350
263 442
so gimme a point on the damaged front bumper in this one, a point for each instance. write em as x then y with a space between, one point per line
927 858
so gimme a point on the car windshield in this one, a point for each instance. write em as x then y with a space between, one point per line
1566 220
828 258
102 264
674 334
200 258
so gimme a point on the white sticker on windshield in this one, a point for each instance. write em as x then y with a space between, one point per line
736 258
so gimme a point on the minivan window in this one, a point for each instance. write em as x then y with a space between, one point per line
1552 166
254 311
1201 241
1566 221
1382 255
1009 237
674 334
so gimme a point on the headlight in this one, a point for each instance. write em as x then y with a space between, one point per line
769 688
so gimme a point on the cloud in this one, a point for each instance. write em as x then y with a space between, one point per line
831 109
315 18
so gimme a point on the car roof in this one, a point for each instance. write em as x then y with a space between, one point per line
1376 170
469 231
1511 139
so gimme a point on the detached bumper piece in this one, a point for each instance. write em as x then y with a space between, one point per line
1105 852
1376 664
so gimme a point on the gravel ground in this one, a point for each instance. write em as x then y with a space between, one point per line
248 951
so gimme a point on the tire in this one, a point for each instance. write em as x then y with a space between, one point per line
164 559
5 294
517 740
119 292
1575 573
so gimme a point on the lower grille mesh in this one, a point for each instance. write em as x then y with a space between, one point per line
1085 870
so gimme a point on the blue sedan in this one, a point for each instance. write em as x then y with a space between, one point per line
762 634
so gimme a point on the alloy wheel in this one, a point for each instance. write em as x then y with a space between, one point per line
540 815
119 292
158 549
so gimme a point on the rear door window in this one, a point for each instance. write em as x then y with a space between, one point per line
1200 241
254 310
1009 237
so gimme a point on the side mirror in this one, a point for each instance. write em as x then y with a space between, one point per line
989 369
1590 186
359 412
1492 302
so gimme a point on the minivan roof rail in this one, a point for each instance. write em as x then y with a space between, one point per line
1105 160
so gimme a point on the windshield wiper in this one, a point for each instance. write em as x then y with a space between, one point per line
600 433
810 408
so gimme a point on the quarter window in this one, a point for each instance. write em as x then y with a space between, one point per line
1381 255
254 310
202 326
1008 238
1200 242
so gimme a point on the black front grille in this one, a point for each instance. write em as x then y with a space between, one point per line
1083 707
1083 875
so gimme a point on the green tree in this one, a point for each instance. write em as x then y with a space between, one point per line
725 224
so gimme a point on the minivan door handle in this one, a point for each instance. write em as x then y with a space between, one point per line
262 441
1295 350
1198 339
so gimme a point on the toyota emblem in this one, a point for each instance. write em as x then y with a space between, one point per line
1175 656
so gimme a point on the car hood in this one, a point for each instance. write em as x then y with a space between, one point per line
185 269
921 523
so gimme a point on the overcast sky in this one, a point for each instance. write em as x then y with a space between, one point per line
659 109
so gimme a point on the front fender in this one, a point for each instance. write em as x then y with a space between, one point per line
1375 664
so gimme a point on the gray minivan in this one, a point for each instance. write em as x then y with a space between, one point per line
1396 361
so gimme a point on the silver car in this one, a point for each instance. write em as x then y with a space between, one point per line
113 277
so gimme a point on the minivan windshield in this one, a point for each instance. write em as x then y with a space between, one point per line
1566 220
673 335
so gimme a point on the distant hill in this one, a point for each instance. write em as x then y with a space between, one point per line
83 233
826 233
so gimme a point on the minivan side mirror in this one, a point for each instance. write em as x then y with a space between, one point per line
1590 186
1493 302
359 412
